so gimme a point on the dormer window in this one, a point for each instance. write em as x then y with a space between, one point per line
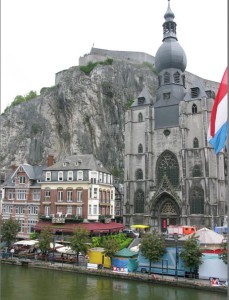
141 100
80 175
48 176
60 176
22 179
195 92
70 175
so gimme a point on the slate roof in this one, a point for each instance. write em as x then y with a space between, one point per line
78 162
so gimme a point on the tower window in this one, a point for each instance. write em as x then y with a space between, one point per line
139 174
166 96
140 148
167 165
139 202
196 201
176 77
166 77
140 117
183 80
159 80
196 172
195 143
194 108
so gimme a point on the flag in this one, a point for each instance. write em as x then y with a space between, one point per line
218 128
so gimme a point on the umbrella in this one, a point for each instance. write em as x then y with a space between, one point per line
56 245
26 243
139 226
66 250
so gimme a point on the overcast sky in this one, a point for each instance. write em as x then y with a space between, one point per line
42 37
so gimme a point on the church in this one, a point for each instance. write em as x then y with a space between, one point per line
172 175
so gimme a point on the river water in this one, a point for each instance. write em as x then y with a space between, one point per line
23 283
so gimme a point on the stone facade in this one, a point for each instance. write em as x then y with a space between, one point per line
172 176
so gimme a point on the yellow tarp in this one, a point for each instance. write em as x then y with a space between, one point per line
140 226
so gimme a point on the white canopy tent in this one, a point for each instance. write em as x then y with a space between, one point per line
26 243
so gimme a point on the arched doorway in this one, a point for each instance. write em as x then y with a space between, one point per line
168 212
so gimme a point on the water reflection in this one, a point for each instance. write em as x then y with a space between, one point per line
23 283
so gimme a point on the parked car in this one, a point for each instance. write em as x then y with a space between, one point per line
131 233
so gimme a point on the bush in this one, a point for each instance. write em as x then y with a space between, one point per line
90 66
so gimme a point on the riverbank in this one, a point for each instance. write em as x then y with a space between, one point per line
82 269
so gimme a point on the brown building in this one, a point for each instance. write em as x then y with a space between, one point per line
21 199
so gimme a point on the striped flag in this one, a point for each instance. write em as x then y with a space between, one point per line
218 128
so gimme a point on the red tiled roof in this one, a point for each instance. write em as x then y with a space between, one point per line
69 227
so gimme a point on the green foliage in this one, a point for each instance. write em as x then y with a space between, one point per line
33 235
191 253
100 241
45 239
151 67
20 99
111 246
128 104
90 66
116 172
152 247
79 240
9 230
224 254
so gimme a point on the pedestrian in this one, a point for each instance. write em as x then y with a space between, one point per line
12 253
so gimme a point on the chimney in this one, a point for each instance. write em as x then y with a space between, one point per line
50 160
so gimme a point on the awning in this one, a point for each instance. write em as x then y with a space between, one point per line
70 227
139 226
26 243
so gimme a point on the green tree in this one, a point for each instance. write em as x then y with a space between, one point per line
9 231
45 239
152 247
191 253
111 246
224 254
79 240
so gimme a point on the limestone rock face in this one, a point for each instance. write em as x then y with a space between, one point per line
80 114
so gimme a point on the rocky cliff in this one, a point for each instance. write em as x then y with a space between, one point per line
83 113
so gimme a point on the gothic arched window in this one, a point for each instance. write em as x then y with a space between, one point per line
140 148
167 164
140 117
139 201
176 77
166 77
194 109
139 174
195 143
196 200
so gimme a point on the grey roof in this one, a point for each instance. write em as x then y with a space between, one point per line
144 94
78 162
33 172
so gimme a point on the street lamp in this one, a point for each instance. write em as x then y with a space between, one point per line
176 239
53 247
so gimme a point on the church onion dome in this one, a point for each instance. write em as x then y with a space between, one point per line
170 54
